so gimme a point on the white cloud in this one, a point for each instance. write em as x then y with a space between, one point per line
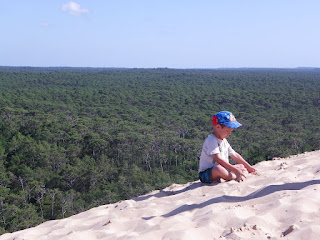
73 8
44 24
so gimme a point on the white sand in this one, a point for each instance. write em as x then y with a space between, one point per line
281 202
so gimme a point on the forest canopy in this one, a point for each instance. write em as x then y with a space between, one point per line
75 138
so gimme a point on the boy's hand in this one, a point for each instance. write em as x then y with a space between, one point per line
251 170
239 175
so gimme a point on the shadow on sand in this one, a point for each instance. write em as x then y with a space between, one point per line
257 194
164 193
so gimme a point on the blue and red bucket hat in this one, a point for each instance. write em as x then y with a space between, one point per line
226 118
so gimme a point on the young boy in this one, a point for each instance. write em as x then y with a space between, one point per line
214 160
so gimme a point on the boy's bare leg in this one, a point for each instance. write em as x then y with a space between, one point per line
219 171
242 168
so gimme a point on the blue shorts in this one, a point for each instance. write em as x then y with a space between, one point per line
205 176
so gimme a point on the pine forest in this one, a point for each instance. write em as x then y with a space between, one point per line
76 138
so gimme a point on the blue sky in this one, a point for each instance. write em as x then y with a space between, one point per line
151 34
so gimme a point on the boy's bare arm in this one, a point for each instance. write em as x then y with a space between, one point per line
239 159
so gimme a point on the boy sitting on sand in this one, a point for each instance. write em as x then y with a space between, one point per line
214 160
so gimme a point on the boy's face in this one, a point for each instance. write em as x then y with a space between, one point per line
222 132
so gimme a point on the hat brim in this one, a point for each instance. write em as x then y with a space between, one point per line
233 125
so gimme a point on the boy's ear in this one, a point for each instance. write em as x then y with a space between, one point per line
217 126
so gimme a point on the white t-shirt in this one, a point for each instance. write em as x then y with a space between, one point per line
213 145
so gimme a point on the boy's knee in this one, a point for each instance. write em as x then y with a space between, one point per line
241 166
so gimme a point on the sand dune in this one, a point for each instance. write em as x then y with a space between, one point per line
281 202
